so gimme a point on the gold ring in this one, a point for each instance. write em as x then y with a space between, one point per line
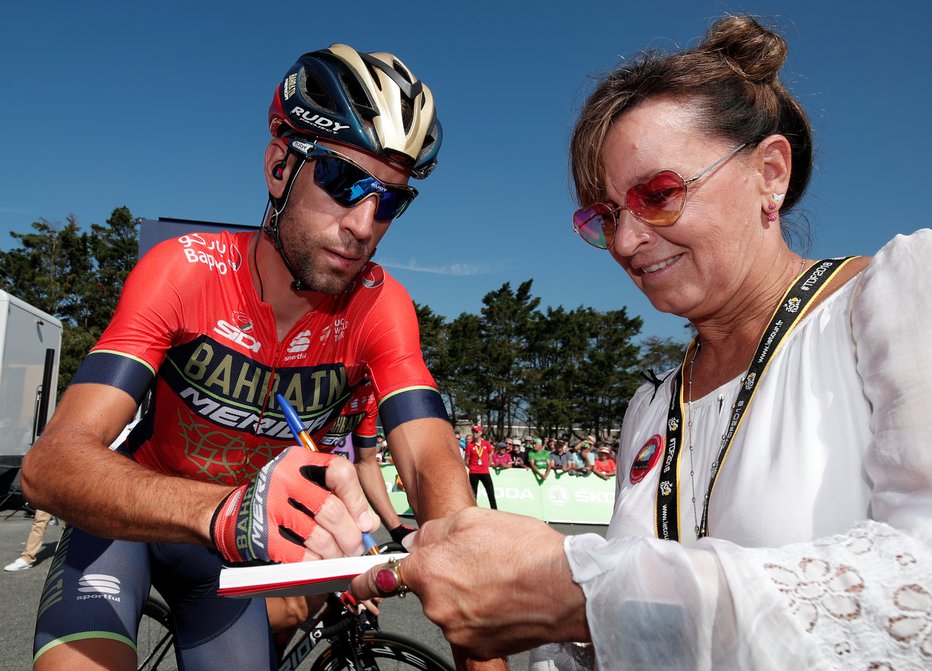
388 580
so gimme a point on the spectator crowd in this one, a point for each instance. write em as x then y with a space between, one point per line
546 456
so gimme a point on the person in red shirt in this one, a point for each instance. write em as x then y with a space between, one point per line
604 466
502 457
478 458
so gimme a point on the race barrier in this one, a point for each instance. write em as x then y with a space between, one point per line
560 498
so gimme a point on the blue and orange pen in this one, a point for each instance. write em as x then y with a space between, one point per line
303 437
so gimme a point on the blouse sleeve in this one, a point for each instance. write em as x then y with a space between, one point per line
891 321
861 599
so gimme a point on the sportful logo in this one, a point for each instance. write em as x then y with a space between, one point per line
99 586
300 342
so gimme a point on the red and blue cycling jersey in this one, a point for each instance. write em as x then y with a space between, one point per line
191 327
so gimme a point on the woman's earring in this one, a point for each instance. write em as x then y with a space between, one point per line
775 198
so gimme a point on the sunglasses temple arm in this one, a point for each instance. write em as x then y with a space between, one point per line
717 163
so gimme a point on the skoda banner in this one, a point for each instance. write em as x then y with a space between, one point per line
559 498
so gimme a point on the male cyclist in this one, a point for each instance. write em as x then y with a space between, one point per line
215 325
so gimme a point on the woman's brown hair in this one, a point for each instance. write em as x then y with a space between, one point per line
731 78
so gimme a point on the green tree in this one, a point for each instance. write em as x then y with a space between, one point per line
50 268
661 354
115 247
463 369
506 319
611 370
433 333
74 276
556 346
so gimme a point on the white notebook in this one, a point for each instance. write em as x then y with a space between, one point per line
299 578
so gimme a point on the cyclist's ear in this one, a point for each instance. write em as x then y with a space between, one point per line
278 167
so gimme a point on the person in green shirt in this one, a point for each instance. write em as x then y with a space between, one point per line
538 459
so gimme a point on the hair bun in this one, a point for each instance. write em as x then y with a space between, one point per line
748 47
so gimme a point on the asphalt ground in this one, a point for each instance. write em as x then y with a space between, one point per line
19 597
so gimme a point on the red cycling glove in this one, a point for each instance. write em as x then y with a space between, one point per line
270 518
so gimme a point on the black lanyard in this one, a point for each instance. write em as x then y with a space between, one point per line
791 308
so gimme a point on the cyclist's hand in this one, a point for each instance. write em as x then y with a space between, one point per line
302 505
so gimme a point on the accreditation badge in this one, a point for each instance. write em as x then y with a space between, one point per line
647 457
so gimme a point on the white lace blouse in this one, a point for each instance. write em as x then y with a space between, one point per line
820 553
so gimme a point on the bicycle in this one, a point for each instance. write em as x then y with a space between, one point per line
356 643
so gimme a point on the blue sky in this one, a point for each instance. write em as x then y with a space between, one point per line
162 107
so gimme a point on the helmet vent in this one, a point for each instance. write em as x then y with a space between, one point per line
358 96
315 90
409 87
375 75
402 70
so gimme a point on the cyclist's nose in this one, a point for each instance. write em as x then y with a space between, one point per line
360 218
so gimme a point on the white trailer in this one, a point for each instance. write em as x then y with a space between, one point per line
30 350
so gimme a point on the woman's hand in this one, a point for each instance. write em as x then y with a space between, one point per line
496 583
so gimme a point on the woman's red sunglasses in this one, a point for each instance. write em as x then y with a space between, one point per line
657 202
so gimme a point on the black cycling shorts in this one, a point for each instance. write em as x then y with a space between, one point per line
96 588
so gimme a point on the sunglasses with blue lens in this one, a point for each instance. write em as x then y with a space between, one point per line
349 184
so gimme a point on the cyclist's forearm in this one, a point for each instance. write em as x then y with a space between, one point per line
71 473
430 467
83 482
373 485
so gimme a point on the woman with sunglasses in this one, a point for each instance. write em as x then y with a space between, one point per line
774 501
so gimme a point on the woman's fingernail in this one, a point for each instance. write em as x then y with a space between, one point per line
409 541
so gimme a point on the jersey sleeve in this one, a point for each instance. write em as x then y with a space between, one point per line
404 387
148 319
365 434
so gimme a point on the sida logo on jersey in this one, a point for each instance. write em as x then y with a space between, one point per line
237 335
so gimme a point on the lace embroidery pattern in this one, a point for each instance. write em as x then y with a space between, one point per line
866 595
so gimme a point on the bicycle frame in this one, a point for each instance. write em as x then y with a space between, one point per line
334 623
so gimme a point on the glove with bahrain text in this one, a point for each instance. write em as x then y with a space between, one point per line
269 518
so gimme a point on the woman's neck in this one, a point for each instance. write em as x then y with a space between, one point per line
730 338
